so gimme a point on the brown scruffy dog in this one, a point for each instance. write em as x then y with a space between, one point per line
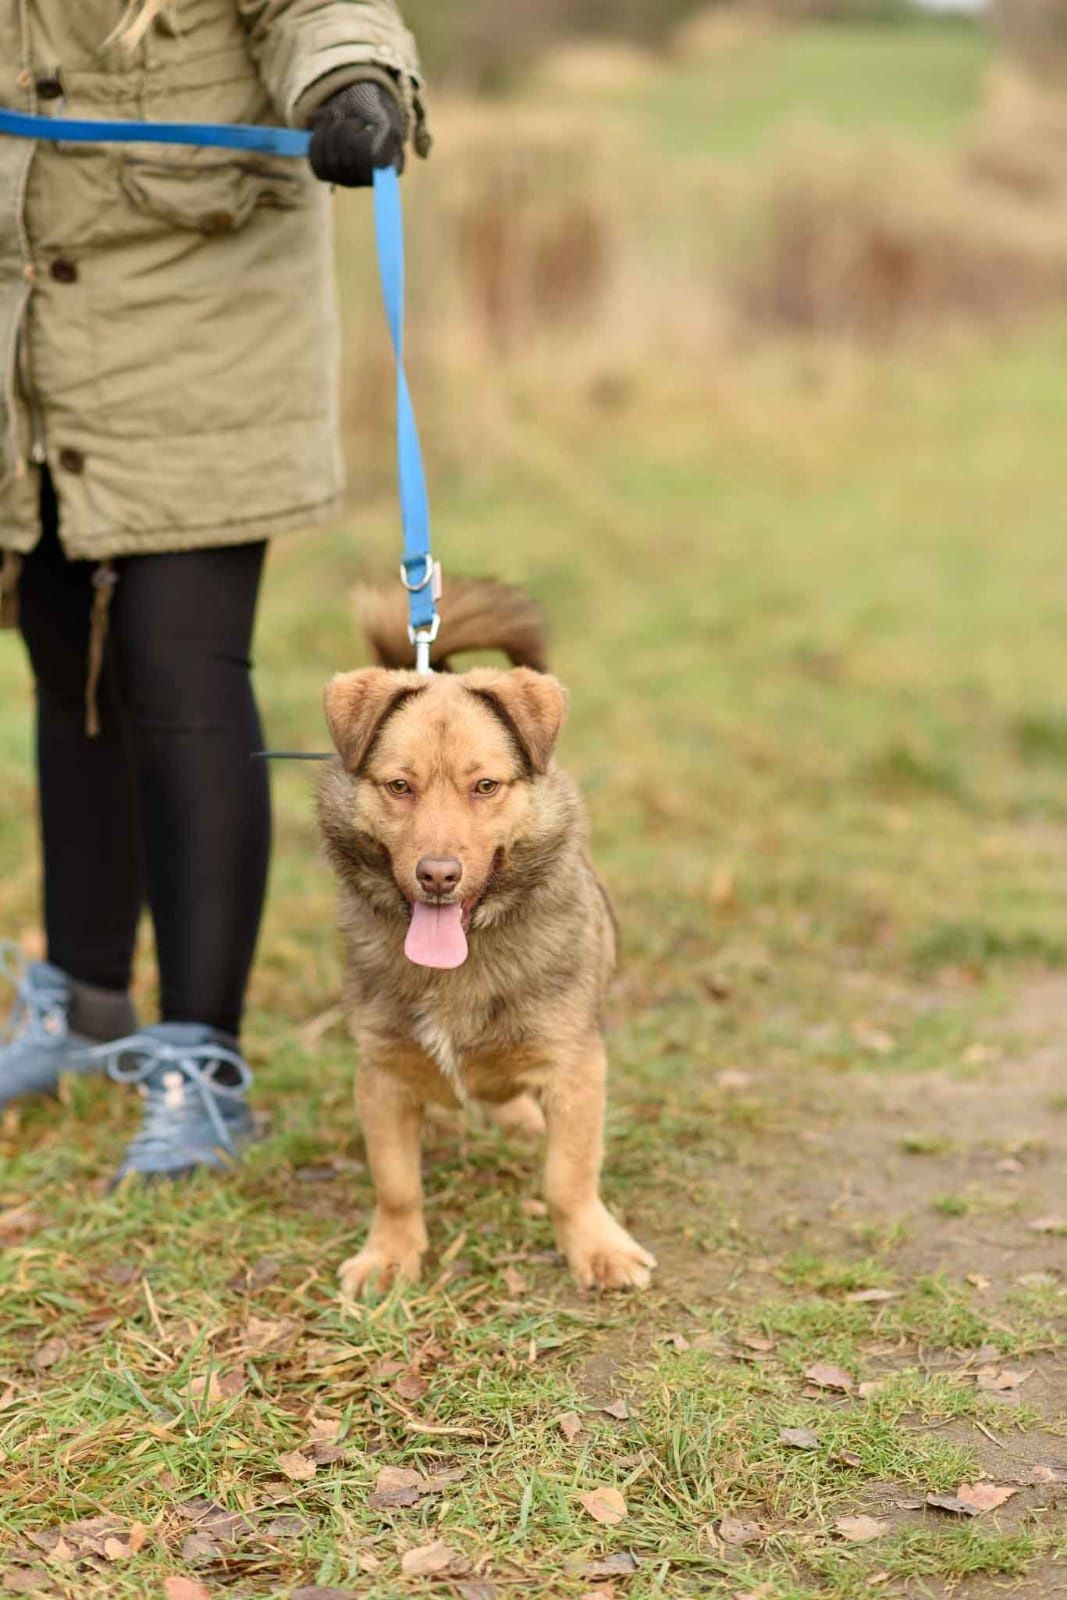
479 941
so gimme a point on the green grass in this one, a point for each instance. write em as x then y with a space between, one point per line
814 665
923 79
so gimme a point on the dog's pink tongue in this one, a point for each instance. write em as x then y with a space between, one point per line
435 936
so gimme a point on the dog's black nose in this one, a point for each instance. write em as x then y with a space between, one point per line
438 874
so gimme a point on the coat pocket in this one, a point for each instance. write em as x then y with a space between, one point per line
214 196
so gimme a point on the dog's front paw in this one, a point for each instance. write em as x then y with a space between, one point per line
381 1263
601 1254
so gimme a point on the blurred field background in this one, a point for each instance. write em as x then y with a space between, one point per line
740 336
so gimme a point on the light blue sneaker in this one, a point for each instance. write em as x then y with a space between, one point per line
194 1082
39 1044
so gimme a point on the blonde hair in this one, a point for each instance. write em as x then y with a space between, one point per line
136 21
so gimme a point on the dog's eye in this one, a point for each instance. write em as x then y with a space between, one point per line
486 786
398 786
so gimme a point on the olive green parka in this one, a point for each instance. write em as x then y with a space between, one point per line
168 332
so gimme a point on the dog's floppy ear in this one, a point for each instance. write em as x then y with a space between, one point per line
533 705
357 705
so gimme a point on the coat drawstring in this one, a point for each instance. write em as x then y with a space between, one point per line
104 580
10 573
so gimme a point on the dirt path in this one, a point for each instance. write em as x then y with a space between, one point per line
939 1173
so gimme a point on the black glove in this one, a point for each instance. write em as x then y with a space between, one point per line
357 129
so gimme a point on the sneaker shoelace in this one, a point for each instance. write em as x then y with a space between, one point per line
168 1108
39 1015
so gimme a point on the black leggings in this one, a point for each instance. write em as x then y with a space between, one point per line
165 803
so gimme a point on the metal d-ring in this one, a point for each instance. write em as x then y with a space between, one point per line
427 577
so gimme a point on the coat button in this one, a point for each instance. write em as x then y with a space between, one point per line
49 89
64 271
71 460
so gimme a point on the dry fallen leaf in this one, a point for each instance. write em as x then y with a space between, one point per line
734 1530
204 1389
18 1223
872 1387
411 1386
676 1341
617 1409
514 1282
268 1333
230 1384
754 1342
214 1520
619 1564
47 1354
1056 1473
323 1427
297 1466
858 1530
984 1496
324 1454
604 1504
717 985
569 1425
398 1478
971 1499
799 1438
826 1376
321 1591
443 1479
200 1547
397 1486
179 1588
427 1560
732 1079
995 1382
25 1580
876 1040
951 1503
723 889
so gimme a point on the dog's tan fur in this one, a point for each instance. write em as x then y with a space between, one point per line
518 1026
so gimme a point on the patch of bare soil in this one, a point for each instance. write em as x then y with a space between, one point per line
960 1172
965 1166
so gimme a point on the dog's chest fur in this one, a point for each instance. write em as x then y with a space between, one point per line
437 1038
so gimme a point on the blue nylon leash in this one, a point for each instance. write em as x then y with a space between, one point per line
418 572
89 130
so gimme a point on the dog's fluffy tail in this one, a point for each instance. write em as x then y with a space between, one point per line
476 614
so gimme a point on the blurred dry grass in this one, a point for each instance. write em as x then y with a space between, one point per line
874 244
1035 33
556 259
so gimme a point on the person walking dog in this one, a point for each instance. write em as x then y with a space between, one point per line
169 404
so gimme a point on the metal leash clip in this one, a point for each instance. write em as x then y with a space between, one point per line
423 635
